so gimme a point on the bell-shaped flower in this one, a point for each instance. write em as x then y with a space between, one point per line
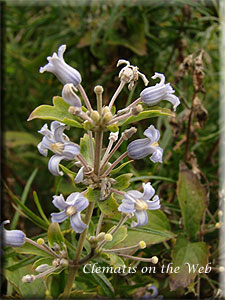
137 203
59 143
71 208
161 91
141 148
64 72
69 95
12 238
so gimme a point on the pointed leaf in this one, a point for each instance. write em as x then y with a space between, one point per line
123 181
55 235
85 148
109 207
57 112
118 237
120 167
115 260
28 248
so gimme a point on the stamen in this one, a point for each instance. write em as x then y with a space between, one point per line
155 144
141 205
57 147
71 210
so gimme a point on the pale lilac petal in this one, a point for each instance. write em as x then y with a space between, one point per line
127 207
59 202
44 129
58 133
59 217
149 191
133 195
72 198
53 165
174 100
70 96
139 149
81 203
70 151
77 224
142 218
80 176
13 238
154 204
152 133
42 149
157 154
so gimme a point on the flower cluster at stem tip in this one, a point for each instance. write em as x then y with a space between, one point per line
95 169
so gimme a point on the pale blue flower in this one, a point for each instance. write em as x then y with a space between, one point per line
138 203
71 208
12 238
64 72
161 91
69 95
59 143
141 148
80 176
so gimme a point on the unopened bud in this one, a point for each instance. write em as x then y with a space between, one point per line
128 133
92 239
42 268
105 110
221 269
100 236
47 293
69 95
28 278
137 109
56 262
95 116
142 244
155 260
40 241
64 262
218 225
220 213
87 125
108 237
98 89
107 117
74 110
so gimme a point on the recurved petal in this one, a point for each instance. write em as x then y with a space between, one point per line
173 99
44 129
70 96
154 204
77 224
59 135
152 133
157 154
13 238
80 176
59 202
72 198
133 194
149 191
42 149
142 218
139 149
59 217
81 203
53 165
127 206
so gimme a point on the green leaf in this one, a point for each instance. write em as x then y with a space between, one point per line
109 207
120 167
18 138
123 181
118 237
115 260
22 263
154 112
24 197
58 112
33 290
156 231
92 195
192 196
113 128
186 252
28 248
68 172
38 204
85 148
55 235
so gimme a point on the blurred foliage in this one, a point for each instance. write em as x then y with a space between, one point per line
154 35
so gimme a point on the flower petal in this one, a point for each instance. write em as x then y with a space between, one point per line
80 176
157 154
81 203
70 150
72 198
174 100
127 206
154 204
70 96
149 191
142 218
139 149
59 217
53 165
152 133
42 149
59 202
77 224
13 238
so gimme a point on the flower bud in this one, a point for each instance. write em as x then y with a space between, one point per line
98 89
42 268
40 241
28 278
100 236
108 237
155 260
64 262
95 116
128 133
56 262
220 213
107 117
87 125
218 225
142 245
69 96
221 269
114 136
12 238
137 109
106 110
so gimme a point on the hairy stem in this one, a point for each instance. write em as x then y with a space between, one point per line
84 96
91 144
99 224
119 89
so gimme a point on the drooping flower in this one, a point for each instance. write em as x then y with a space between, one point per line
80 176
59 143
69 95
161 91
12 238
141 148
138 203
71 208
64 72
